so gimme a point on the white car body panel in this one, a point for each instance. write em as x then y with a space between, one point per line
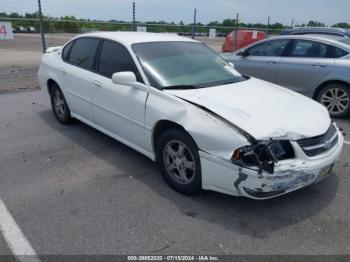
218 118
260 108
120 109
290 175
194 121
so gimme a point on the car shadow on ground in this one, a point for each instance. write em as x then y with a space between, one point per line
247 217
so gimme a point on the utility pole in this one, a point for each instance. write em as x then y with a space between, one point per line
42 30
133 16
268 25
194 23
236 33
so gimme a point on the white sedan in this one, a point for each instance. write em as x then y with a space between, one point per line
179 103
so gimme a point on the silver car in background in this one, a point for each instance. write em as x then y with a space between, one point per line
313 65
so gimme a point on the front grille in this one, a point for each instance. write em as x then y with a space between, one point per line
319 144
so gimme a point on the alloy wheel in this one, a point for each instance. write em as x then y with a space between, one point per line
59 104
336 100
179 162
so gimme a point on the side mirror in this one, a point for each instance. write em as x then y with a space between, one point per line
231 64
123 78
128 78
243 53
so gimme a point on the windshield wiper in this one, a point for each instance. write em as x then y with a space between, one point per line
181 87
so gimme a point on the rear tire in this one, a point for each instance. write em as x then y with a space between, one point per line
59 105
336 98
178 159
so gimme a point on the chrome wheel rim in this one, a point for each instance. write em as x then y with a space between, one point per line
59 104
336 100
179 162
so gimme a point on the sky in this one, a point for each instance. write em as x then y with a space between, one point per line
251 11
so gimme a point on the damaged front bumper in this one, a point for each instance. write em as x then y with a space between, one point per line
289 175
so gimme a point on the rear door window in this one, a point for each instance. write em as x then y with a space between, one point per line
310 49
83 52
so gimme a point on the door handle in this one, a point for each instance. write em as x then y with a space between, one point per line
271 62
63 71
319 65
96 83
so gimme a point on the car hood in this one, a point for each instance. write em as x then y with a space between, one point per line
262 109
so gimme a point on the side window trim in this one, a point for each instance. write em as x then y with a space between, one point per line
288 48
97 56
329 52
291 45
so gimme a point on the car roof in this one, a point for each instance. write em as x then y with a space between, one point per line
332 40
317 30
129 38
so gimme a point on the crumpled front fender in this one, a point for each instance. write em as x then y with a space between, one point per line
212 134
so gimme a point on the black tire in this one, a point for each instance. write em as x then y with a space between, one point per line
327 96
193 175
63 114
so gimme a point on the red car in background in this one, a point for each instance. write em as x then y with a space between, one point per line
244 38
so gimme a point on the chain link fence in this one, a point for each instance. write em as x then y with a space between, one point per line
38 22
81 26
20 58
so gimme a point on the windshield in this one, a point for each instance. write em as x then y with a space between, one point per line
183 64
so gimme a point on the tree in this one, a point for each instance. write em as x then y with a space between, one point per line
342 25
214 23
229 22
15 15
315 24
276 26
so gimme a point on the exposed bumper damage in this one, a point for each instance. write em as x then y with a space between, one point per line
244 152
263 154
289 175
283 181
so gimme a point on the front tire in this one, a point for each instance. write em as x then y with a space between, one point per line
59 105
336 98
178 159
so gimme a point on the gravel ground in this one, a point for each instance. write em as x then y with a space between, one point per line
20 59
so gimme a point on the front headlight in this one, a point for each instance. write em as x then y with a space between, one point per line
263 154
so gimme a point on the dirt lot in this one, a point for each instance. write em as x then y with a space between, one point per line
20 59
